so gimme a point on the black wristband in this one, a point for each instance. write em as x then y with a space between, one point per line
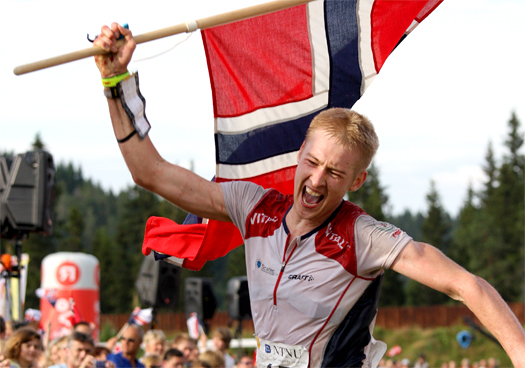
128 137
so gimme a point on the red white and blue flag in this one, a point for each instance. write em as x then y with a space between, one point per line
270 75
141 317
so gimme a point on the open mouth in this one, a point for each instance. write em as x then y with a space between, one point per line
310 197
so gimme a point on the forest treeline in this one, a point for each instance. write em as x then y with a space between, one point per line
486 237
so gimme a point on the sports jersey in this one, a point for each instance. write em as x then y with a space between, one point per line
320 291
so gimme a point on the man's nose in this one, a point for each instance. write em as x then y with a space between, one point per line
318 177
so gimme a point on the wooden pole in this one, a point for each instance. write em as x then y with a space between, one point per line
213 21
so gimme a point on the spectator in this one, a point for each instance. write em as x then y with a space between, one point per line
2 328
197 363
173 359
51 353
221 341
245 361
421 362
465 363
101 352
482 363
405 363
83 327
491 363
185 344
154 341
130 343
213 358
152 361
62 349
23 348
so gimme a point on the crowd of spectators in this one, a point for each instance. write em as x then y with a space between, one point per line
421 362
28 347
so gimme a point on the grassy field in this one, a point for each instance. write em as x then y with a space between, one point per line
440 345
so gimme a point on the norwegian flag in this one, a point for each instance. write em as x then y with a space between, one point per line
195 328
32 315
270 75
51 297
141 317
75 316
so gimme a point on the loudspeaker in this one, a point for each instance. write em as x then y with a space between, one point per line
158 283
199 297
238 298
27 187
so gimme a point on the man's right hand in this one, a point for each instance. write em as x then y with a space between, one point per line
116 61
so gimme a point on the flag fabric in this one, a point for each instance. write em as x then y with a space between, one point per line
141 317
270 75
51 297
75 316
32 315
195 328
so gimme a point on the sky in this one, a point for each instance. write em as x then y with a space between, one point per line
446 92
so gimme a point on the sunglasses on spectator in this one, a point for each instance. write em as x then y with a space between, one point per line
126 339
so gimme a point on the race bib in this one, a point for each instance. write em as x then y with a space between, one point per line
277 355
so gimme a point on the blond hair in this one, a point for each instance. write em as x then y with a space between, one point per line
349 128
213 358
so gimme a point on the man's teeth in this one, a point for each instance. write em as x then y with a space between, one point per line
312 193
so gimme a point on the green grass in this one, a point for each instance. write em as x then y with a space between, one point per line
439 345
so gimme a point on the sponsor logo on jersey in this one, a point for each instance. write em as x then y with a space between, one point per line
263 268
261 218
336 238
301 277
386 227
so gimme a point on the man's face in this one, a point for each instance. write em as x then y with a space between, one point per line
326 170
130 342
173 362
76 353
155 346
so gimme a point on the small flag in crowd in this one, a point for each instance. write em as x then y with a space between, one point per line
141 317
51 297
75 316
195 328
32 315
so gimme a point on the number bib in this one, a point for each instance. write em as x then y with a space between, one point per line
273 355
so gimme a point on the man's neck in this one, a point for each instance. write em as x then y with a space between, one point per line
129 357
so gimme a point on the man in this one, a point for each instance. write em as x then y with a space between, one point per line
173 359
315 301
79 352
83 327
130 342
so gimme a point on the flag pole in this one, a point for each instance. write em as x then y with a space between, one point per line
212 21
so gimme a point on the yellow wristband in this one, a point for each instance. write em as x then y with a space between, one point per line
112 81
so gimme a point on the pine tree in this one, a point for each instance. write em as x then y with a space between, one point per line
436 230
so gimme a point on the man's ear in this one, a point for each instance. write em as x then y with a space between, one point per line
300 151
358 181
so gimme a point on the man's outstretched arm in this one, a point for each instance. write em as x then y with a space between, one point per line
148 169
427 265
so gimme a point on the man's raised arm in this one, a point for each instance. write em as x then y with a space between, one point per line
148 169
427 265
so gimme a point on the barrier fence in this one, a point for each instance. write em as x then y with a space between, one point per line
387 317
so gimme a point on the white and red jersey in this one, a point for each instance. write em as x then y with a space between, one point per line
321 291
